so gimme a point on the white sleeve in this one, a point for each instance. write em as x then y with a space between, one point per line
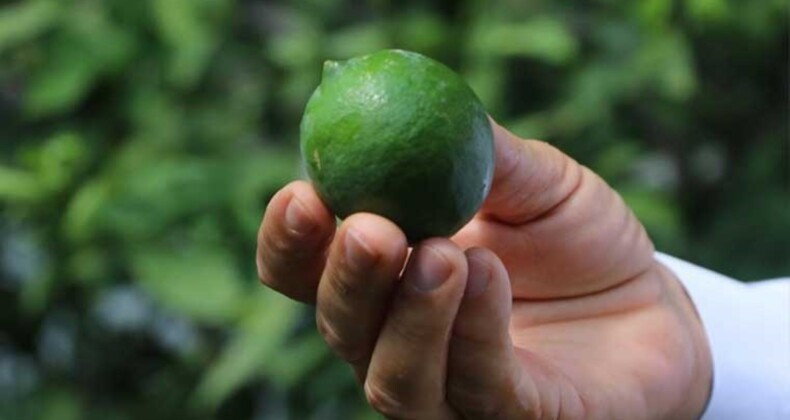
748 327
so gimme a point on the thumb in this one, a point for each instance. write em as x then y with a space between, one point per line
558 227
531 178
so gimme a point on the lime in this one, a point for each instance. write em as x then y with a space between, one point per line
398 134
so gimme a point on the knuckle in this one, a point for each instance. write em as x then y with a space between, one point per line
268 277
410 332
464 336
345 285
384 401
280 245
263 273
473 401
343 347
499 399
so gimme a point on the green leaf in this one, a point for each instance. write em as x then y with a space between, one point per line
87 47
60 159
156 116
422 32
89 266
196 280
678 80
532 126
486 76
111 45
185 27
65 79
617 160
36 293
59 404
543 38
83 213
297 89
709 11
591 95
665 62
356 40
258 174
19 186
303 356
658 213
149 194
296 49
26 20
258 345
654 14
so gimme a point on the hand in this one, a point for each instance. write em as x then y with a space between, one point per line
549 304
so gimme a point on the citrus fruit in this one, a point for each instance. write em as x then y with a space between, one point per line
400 135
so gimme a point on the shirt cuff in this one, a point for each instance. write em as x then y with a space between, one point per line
748 328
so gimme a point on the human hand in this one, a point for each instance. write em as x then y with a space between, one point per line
549 304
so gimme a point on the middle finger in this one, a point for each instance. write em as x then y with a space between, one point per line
365 260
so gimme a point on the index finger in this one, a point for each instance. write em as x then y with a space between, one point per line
293 240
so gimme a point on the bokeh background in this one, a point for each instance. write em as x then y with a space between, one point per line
141 140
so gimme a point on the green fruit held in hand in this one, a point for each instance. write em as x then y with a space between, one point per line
400 135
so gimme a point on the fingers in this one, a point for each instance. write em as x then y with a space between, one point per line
484 379
531 178
364 263
406 375
292 241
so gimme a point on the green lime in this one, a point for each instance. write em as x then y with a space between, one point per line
398 134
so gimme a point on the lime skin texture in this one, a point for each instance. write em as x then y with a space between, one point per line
400 135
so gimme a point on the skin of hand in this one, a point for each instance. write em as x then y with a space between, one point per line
549 304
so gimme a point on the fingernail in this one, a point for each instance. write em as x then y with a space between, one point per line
431 269
479 277
297 219
359 254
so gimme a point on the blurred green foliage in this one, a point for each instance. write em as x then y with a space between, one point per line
141 140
